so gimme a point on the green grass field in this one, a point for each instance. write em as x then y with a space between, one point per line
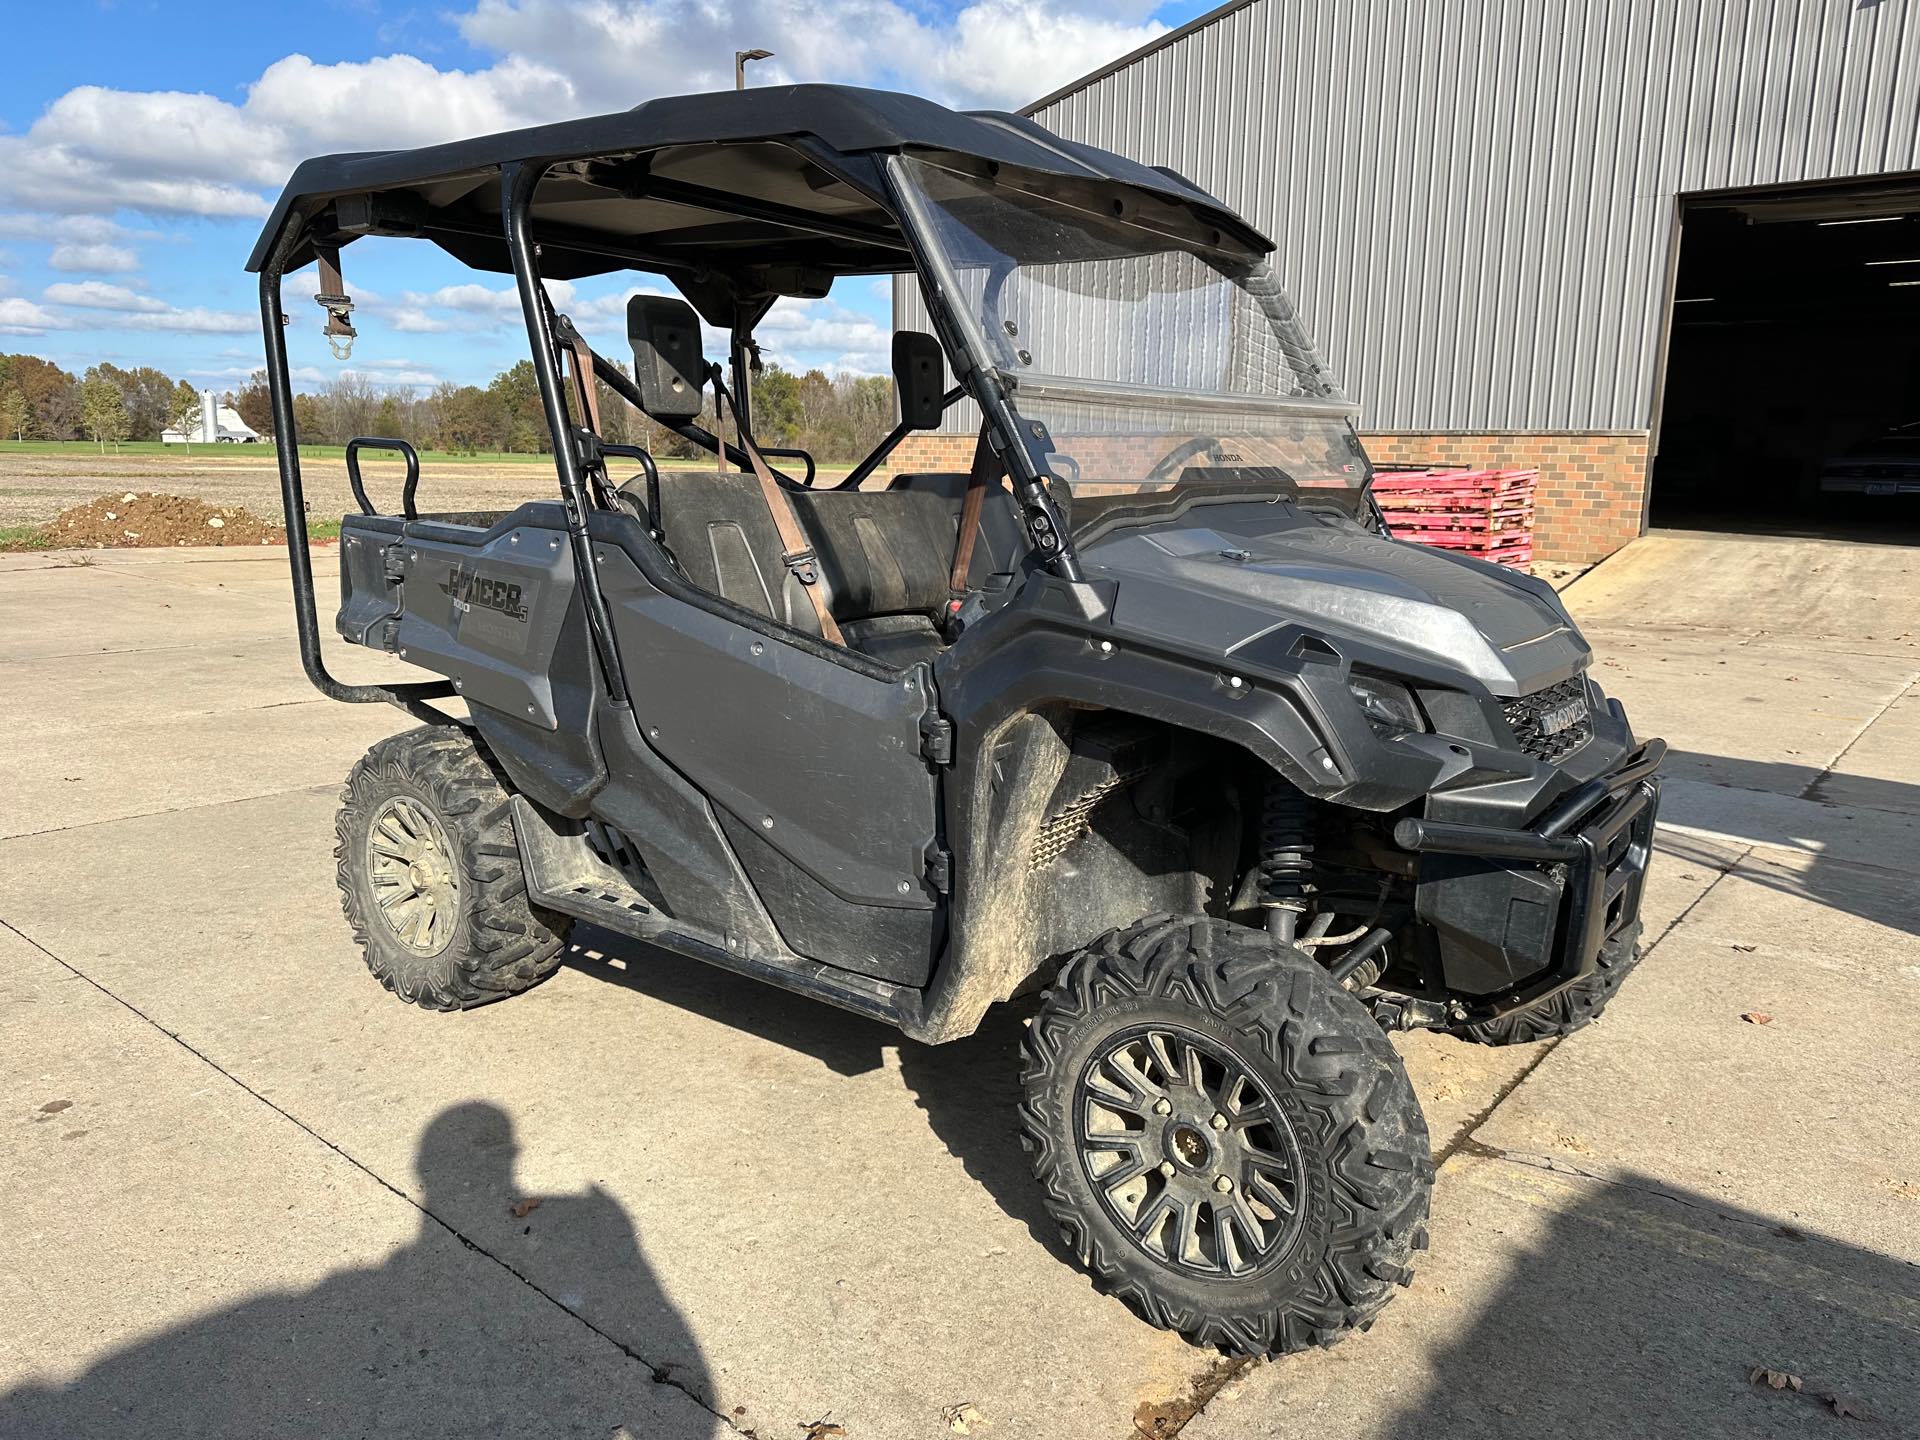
31 537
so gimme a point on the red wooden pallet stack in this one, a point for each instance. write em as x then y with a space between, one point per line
1488 513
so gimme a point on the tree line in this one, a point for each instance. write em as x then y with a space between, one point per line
833 418
40 401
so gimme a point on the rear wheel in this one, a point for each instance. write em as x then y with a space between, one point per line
1568 1010
430 876
1227 1140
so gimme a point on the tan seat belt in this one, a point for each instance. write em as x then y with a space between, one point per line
587 393
796 553
985 472
583 381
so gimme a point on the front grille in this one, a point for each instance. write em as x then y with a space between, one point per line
1540 721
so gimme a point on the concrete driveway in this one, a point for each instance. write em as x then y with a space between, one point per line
248 1194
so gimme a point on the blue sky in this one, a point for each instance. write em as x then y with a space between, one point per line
139 152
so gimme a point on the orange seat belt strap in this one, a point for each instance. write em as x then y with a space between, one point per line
796 550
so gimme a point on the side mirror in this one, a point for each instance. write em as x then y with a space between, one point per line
919 374
669 369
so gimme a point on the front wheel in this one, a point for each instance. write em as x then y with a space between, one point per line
1225 1137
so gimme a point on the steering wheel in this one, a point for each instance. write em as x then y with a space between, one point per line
1179 455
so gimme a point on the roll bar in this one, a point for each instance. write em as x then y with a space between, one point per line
410 697
518 181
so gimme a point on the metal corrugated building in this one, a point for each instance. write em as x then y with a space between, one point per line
1477 203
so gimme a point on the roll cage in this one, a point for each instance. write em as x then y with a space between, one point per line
738 199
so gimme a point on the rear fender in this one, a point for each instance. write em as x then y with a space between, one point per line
497 610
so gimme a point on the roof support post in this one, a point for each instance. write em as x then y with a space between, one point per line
518 181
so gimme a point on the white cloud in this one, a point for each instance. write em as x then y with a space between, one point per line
196 320
1005 53
98 295
68 229
386 374
392 374
307 375
469 307
166 151
1000 53
115 307
796 334
95 151
399 101
802 334
859 362
98 151
412 320
94 259
23 317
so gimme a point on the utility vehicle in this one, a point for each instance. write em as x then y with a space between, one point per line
1141 716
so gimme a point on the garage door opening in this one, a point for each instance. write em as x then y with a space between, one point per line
1792 392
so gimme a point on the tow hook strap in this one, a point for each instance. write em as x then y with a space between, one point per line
796 553
333 299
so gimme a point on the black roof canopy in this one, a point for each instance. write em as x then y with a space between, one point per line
795 165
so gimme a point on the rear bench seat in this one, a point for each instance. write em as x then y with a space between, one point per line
884 555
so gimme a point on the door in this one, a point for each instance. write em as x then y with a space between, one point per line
816 770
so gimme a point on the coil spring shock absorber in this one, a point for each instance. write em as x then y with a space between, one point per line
1286 857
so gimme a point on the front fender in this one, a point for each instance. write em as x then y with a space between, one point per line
1290 708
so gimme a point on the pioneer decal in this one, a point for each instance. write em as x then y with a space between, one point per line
469 588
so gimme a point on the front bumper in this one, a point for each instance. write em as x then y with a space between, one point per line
1519 914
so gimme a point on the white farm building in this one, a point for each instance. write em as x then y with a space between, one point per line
218 423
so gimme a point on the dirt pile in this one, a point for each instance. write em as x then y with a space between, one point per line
155 519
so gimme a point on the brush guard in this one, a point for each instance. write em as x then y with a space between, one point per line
1520 914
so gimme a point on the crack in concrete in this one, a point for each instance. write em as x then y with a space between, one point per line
1553 1165
1164 1419
130 650
319 787
1827 774
659 1374
1464 1139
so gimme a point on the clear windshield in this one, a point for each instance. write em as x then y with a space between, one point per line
1154 355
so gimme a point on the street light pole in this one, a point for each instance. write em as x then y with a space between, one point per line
740 59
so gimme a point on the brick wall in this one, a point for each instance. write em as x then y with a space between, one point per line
1592 483
925 452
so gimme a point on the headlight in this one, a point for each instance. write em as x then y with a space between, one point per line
1389 705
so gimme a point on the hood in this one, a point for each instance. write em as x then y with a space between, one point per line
1222 576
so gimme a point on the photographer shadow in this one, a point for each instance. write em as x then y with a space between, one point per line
434 1340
